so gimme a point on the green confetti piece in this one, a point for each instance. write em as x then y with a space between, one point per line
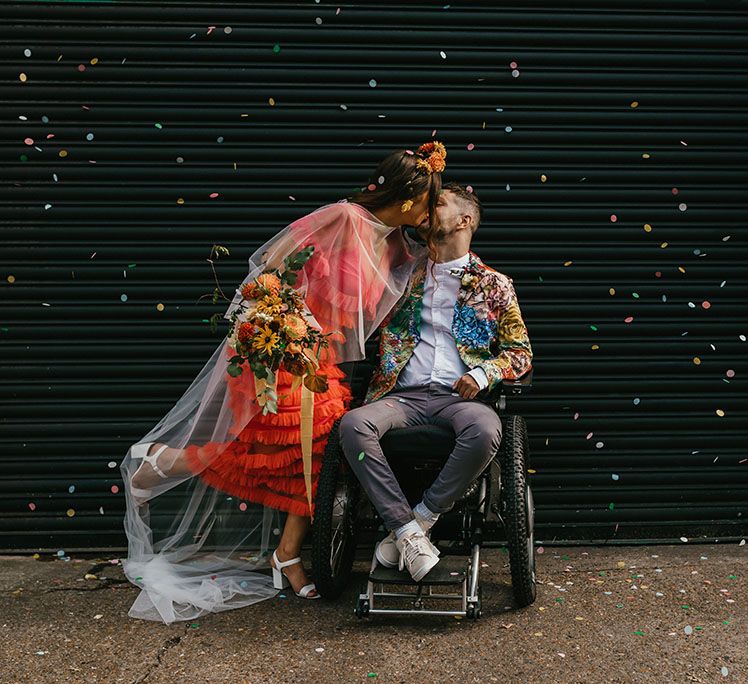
619 605
732 576
131 265
725 622
361 456
601 573
635 295
593 327
276 48
138 578
560 599
194 625
372 674
640 632
540 278
686 607
158 125
564 557
611 506
698 629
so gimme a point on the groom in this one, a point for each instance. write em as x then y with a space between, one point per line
456 331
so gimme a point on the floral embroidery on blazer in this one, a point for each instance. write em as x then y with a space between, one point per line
487 327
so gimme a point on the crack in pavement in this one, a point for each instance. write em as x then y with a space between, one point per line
168 644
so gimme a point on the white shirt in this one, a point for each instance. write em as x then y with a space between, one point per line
435 357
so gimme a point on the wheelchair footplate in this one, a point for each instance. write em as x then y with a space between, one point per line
450 589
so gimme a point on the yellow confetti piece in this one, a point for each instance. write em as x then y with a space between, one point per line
620 564
720 413
180 200
95 60
579 618
271 101
568 263
531 471
663 245
11 279
90 576
612 291
538 634
63 153
543 178
645 156
70 512
159 307
647 228
22 77
681 269
697 360
634 104
595 347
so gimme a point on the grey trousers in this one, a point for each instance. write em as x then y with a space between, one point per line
477 430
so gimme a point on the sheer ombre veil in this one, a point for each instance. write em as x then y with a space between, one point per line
193 549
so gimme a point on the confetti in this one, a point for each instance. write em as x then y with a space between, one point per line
443 54
361 456
373 83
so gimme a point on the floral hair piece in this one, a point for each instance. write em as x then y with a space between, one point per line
433 157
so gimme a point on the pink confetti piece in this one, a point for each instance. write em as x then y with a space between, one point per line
29 141
513 65
242 506
705 304
674 191
613 218
114 489
32 506
371 187
628 319
470 146
213 195
81 67
730 373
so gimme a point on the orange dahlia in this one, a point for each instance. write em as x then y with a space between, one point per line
436 162
246 332
295 327
270 282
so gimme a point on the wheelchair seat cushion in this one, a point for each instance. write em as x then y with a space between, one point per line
419 446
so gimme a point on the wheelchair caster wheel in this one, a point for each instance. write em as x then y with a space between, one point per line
362 607
474 610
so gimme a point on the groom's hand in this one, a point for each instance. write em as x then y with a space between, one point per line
466 386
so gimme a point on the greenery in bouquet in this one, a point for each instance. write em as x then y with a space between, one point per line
272 328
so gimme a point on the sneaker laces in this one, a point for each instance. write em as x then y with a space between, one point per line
413 546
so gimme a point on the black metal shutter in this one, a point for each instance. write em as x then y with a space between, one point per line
126 109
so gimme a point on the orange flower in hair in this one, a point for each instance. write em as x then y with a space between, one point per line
433 157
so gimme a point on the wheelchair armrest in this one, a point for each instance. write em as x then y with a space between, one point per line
507 387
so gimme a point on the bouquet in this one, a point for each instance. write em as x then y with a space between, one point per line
272 327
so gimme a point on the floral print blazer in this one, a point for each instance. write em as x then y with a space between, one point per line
487 327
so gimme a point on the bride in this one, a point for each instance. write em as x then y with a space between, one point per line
208 486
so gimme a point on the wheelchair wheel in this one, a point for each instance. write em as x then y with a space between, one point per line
335 521
518 509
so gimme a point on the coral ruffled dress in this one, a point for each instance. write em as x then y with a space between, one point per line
264 464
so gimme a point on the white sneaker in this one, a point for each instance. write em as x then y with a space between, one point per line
387 552
417 555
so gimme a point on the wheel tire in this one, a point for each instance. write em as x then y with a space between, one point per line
518 509
335 521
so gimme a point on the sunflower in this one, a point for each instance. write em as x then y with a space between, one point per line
265 340
269 305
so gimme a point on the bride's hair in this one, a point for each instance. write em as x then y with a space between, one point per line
404 179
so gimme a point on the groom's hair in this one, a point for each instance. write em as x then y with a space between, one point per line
468 201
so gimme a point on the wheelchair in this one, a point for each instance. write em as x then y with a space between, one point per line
497 506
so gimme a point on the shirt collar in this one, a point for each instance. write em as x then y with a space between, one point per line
447 265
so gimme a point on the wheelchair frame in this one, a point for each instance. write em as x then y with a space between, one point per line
499 498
